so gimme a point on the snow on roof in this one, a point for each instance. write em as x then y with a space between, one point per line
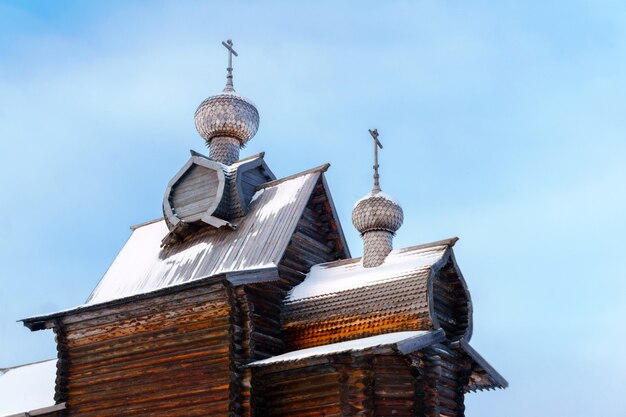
377 194
258 242
333 277
27 387
403 341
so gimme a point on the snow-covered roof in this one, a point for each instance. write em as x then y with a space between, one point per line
334 277
258 242
404 342
28 387
379 194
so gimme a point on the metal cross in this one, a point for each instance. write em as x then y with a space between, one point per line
229 78
377 145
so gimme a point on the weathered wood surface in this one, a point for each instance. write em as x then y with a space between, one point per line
169 354
316 239
346 384
446 375
452 305
194 193
302 391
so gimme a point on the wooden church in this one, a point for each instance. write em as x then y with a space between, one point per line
244 300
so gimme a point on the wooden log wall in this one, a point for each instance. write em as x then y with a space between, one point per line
356 384
256 315
314 241
306 390
167 355
394 386
451 302
445 373
348 385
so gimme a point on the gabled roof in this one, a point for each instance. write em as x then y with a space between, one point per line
343 298
27 388
259 241
326 280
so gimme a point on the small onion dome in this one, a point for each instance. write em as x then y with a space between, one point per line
377 211
227 114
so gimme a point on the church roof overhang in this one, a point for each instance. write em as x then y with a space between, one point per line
402 342
234 278
259 240
28 390
483 376
398 293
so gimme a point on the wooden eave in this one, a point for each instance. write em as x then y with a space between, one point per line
232 250
335 219
51 410
252 276
404 347
481 367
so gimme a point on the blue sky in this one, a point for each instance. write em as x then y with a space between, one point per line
503 124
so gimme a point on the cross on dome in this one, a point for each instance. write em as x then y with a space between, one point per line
227 121
377 145
229 78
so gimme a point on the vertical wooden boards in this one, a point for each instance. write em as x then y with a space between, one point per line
314 240
451 302
194 193
168 354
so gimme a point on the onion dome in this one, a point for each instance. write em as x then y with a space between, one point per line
377 211
227 121
377 216
227 114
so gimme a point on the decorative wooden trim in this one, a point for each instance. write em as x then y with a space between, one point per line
499 380
470 306
244 166
41 411
48 321
321 168
419 342
341 237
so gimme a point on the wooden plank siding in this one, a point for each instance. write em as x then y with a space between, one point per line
167 354
194 192
315 240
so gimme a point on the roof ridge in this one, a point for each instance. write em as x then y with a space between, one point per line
448 242
10 368
255 156
321 168
138 225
